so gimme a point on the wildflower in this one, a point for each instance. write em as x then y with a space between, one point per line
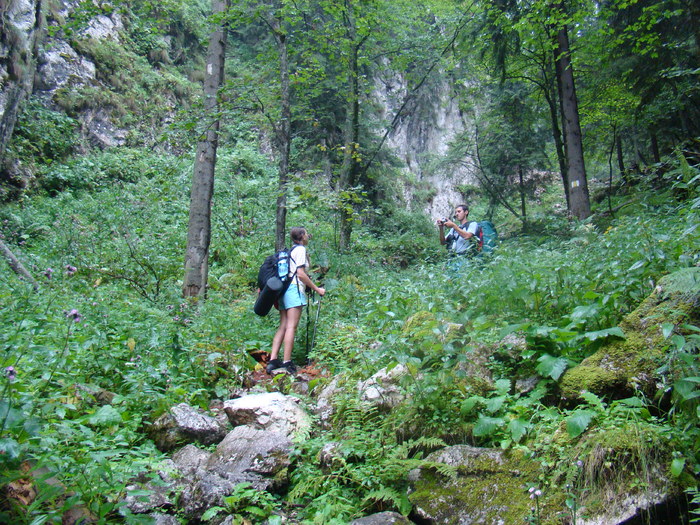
170 307
11 373
70 270
74 315
176 318
579 464
48 273
534 493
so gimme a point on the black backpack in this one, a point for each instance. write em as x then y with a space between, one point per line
276 265
273 280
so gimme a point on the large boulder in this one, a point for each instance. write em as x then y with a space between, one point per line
272 412
488 486
184 424
246 455
621 368
258 457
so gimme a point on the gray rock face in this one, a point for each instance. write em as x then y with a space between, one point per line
272 411
249 454
185 424
61 67
383 518
324 402
433 120
246 455
382 388
256 451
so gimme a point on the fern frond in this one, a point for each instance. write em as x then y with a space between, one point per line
384 495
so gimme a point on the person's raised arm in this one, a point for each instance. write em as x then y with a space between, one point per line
304 278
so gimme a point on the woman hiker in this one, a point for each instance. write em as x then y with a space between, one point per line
292 302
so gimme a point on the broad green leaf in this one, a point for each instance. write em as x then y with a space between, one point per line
608 332
9 448
503 386
487 426
211 512
106 416
578 422
593 400
667 329
552 366
517 428
677 466
636 265
494 404
468 405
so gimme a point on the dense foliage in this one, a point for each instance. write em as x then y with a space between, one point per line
106 344
108 321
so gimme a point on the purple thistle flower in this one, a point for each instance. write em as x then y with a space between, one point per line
11 373
74 315
48 273
70 270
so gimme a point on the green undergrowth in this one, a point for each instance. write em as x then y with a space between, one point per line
107 344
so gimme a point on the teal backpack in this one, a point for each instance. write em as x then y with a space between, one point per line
488 236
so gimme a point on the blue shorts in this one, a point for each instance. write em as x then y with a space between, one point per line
292 298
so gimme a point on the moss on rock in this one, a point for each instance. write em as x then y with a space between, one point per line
490 486
622 367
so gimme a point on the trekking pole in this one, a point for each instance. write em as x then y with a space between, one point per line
308 320
318 311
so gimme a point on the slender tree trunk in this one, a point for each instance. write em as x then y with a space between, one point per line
284 132
199 228
655 148
351 166
523 209
580 205
21 67
16 265
550 94
620 158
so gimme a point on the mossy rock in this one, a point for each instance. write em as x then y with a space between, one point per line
488 486
424 325
621 368
623 471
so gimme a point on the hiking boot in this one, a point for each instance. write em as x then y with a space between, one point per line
273 364
290 367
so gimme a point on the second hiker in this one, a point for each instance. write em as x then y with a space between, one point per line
460 240
292 302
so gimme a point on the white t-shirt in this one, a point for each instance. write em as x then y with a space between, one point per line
460 244
298 259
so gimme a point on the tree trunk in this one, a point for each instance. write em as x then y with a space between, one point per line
199 228
620 158
17 266
655 148
523 209
283 138
580 205
350 167
21 67
550 92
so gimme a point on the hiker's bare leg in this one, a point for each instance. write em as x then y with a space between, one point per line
279 335
293 316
